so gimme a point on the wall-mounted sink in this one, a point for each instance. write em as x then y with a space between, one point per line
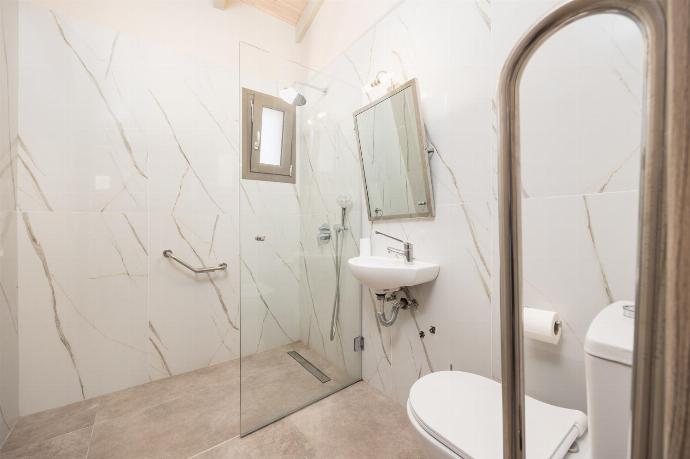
384 274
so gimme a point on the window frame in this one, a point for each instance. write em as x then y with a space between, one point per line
253 103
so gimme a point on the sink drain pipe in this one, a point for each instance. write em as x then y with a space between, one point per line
403 303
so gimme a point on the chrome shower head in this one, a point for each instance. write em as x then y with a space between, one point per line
299 100
291 96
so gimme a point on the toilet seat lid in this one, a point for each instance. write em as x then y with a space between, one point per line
463 411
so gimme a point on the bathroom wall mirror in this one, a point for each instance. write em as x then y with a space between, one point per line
393 154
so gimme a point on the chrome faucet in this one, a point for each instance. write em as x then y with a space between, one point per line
406 250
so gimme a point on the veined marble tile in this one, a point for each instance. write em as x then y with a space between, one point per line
156 129
269 265
581 102
270 311
377 359
457 303
317 295
9 332
454 81
194 158
193 319
75 110
131 122
330 169
83 292
579 256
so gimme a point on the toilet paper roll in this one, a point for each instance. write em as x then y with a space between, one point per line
365 247
542 325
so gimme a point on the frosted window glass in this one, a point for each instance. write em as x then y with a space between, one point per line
271 136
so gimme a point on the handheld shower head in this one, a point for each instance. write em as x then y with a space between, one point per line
344 201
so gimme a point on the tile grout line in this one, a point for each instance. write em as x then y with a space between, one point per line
88 447
96 416
9 433
213 447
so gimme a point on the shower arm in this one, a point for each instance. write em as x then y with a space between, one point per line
649 17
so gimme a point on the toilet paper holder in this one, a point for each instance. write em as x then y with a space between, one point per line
542 325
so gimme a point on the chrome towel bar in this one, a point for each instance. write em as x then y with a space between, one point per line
221 267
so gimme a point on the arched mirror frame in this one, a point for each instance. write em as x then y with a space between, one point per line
649 17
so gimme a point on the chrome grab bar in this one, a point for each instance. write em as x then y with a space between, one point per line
650 19
221 267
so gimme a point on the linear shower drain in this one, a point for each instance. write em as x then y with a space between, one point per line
310 367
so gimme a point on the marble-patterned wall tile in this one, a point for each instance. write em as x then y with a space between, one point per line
269 226
580 131
82 318
377 358
456 50
423 40
139 119
457 303
270 281
81 147
579 256
194 161
9 324
9 329
446 46
193 319
330 171
317 295
580 99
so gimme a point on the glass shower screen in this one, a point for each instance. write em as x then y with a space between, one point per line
290 235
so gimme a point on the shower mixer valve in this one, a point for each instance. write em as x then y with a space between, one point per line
324 235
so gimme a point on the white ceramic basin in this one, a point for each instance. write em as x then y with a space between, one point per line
386 273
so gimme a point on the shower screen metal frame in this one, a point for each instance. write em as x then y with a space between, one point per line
649 17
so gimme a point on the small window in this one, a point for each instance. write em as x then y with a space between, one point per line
268 140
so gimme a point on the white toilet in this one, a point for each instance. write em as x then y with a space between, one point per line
458 414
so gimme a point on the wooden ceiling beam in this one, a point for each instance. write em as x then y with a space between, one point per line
221 4
286 10
308 14
299 13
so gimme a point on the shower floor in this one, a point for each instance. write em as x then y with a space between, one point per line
197 414
275 384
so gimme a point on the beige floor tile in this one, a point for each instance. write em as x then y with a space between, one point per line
45 425
224 376
279 440
199 412
274 384
68 446
358 422
175 429
51 423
